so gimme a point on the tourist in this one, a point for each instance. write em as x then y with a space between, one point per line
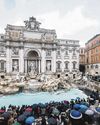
11 120
43 121
63 120
53 113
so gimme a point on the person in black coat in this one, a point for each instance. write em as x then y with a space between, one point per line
43 121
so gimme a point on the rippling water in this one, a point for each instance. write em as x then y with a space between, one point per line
43 97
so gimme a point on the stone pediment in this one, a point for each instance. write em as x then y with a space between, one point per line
30 32
13 27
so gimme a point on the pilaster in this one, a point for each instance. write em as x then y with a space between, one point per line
21 60
54 61
8 58
43 62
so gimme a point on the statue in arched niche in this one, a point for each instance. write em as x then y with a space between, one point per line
32 67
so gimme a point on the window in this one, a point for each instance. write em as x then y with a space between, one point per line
14 34
58 53
91 66
87 67
74 52
96 66
66 65
58 65
87 60
70 51
74 65
2 65
96 49
92 51
74 42
96 58
66 52
2 37
81 50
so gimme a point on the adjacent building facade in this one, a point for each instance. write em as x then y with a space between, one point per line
31 49
82 60
92 55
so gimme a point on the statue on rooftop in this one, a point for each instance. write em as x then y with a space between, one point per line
32 24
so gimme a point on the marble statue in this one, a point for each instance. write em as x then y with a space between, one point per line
32 24
48 66
18 77
32 67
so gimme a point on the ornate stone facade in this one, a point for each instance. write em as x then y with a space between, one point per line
31 49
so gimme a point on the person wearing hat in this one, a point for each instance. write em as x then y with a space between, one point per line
76 118
43 120
97 115
11 120
63 120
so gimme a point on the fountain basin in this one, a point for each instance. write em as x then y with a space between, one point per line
41 97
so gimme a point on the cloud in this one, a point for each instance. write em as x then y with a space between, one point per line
70 24
9 4
68 18
19 22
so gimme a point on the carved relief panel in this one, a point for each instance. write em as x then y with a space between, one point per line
15 51
2 50
48 53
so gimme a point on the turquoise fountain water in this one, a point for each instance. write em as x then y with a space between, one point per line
43 97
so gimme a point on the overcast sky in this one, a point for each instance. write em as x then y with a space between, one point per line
72 19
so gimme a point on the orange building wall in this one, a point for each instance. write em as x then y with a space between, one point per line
93 51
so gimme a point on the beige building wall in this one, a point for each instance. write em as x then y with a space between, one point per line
92 55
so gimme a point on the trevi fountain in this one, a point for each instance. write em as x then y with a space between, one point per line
30 52
19 90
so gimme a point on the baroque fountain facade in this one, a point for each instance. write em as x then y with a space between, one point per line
30 52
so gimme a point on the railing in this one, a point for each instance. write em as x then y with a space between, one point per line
58 70
58 56
66 70
74 57
66 57
74 70
2 71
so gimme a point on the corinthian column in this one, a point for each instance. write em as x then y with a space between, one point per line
43 62
21 60
8 59
53 61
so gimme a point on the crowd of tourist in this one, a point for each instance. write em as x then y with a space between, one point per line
76 112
